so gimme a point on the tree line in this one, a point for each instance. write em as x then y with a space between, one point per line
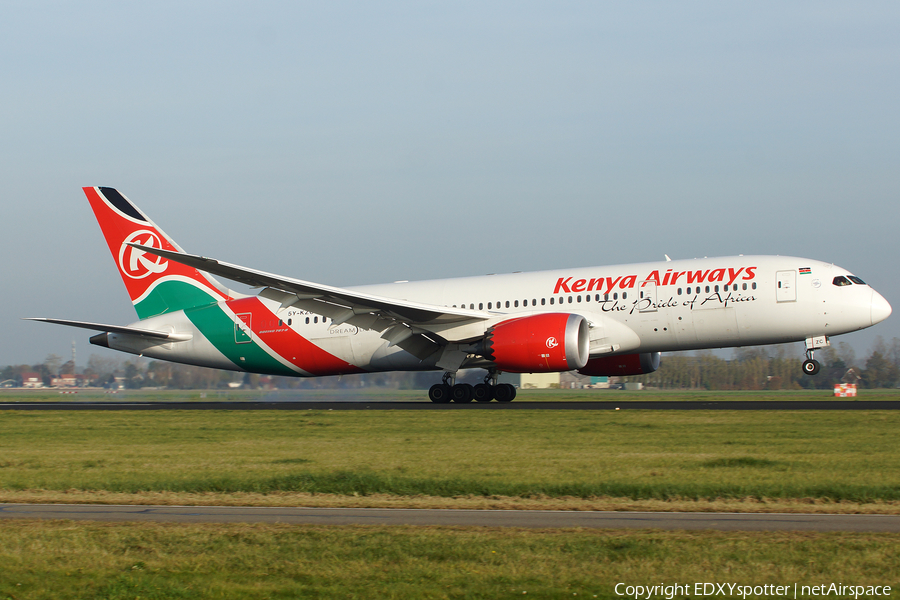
777 367
753 368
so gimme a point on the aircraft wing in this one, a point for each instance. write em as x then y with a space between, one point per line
401 322
135 331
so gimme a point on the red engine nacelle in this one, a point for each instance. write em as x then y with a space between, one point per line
539 343
622 365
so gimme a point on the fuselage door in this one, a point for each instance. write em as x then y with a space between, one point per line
242 328
647 301
786 286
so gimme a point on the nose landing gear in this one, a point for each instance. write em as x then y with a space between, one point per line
811 366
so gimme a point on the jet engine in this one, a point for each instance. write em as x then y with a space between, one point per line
622 365
539 344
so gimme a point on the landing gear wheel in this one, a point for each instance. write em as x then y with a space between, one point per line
439 393
483 393
461 392
505 392
811 367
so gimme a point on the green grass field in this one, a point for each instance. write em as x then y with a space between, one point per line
670 460
49 560
830 456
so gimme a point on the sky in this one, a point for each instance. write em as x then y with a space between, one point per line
348 143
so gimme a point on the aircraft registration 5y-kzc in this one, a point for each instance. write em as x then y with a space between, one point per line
613 320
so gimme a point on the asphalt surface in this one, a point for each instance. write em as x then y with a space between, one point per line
532 519
338 405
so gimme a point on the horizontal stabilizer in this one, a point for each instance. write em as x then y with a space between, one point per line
136 331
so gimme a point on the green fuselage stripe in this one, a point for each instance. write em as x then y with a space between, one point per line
219 329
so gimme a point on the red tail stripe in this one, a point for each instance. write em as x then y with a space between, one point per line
290 345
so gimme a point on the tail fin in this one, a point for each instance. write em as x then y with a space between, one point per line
156 285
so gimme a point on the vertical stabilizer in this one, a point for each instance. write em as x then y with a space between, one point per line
155 285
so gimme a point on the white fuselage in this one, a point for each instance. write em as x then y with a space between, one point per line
647 307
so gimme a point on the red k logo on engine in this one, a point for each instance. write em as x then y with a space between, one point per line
136 263
539 343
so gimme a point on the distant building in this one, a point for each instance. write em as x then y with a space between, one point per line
32 380
539 381
65 380
600 383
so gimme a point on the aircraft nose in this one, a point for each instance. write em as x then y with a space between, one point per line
881 310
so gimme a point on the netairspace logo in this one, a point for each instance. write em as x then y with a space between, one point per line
670 591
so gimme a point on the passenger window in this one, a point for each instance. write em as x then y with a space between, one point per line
489 306
551 301
472 306
543 302
570 299
615 295
579 298
480 306
280 323
307 320
534 302
624 295
315 319
597 297
507 304
679 291
744 286
516 304
717 289
840 281
754 285
707 289
289 322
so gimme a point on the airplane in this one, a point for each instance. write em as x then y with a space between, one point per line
608 320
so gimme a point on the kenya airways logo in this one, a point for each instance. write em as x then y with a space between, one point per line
552 343
136 263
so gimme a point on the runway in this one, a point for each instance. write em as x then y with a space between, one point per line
529 519
376 405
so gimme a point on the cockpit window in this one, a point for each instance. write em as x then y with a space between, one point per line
840 280
856 279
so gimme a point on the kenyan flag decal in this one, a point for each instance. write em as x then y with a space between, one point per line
805 270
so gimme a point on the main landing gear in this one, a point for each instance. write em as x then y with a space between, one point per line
448 390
